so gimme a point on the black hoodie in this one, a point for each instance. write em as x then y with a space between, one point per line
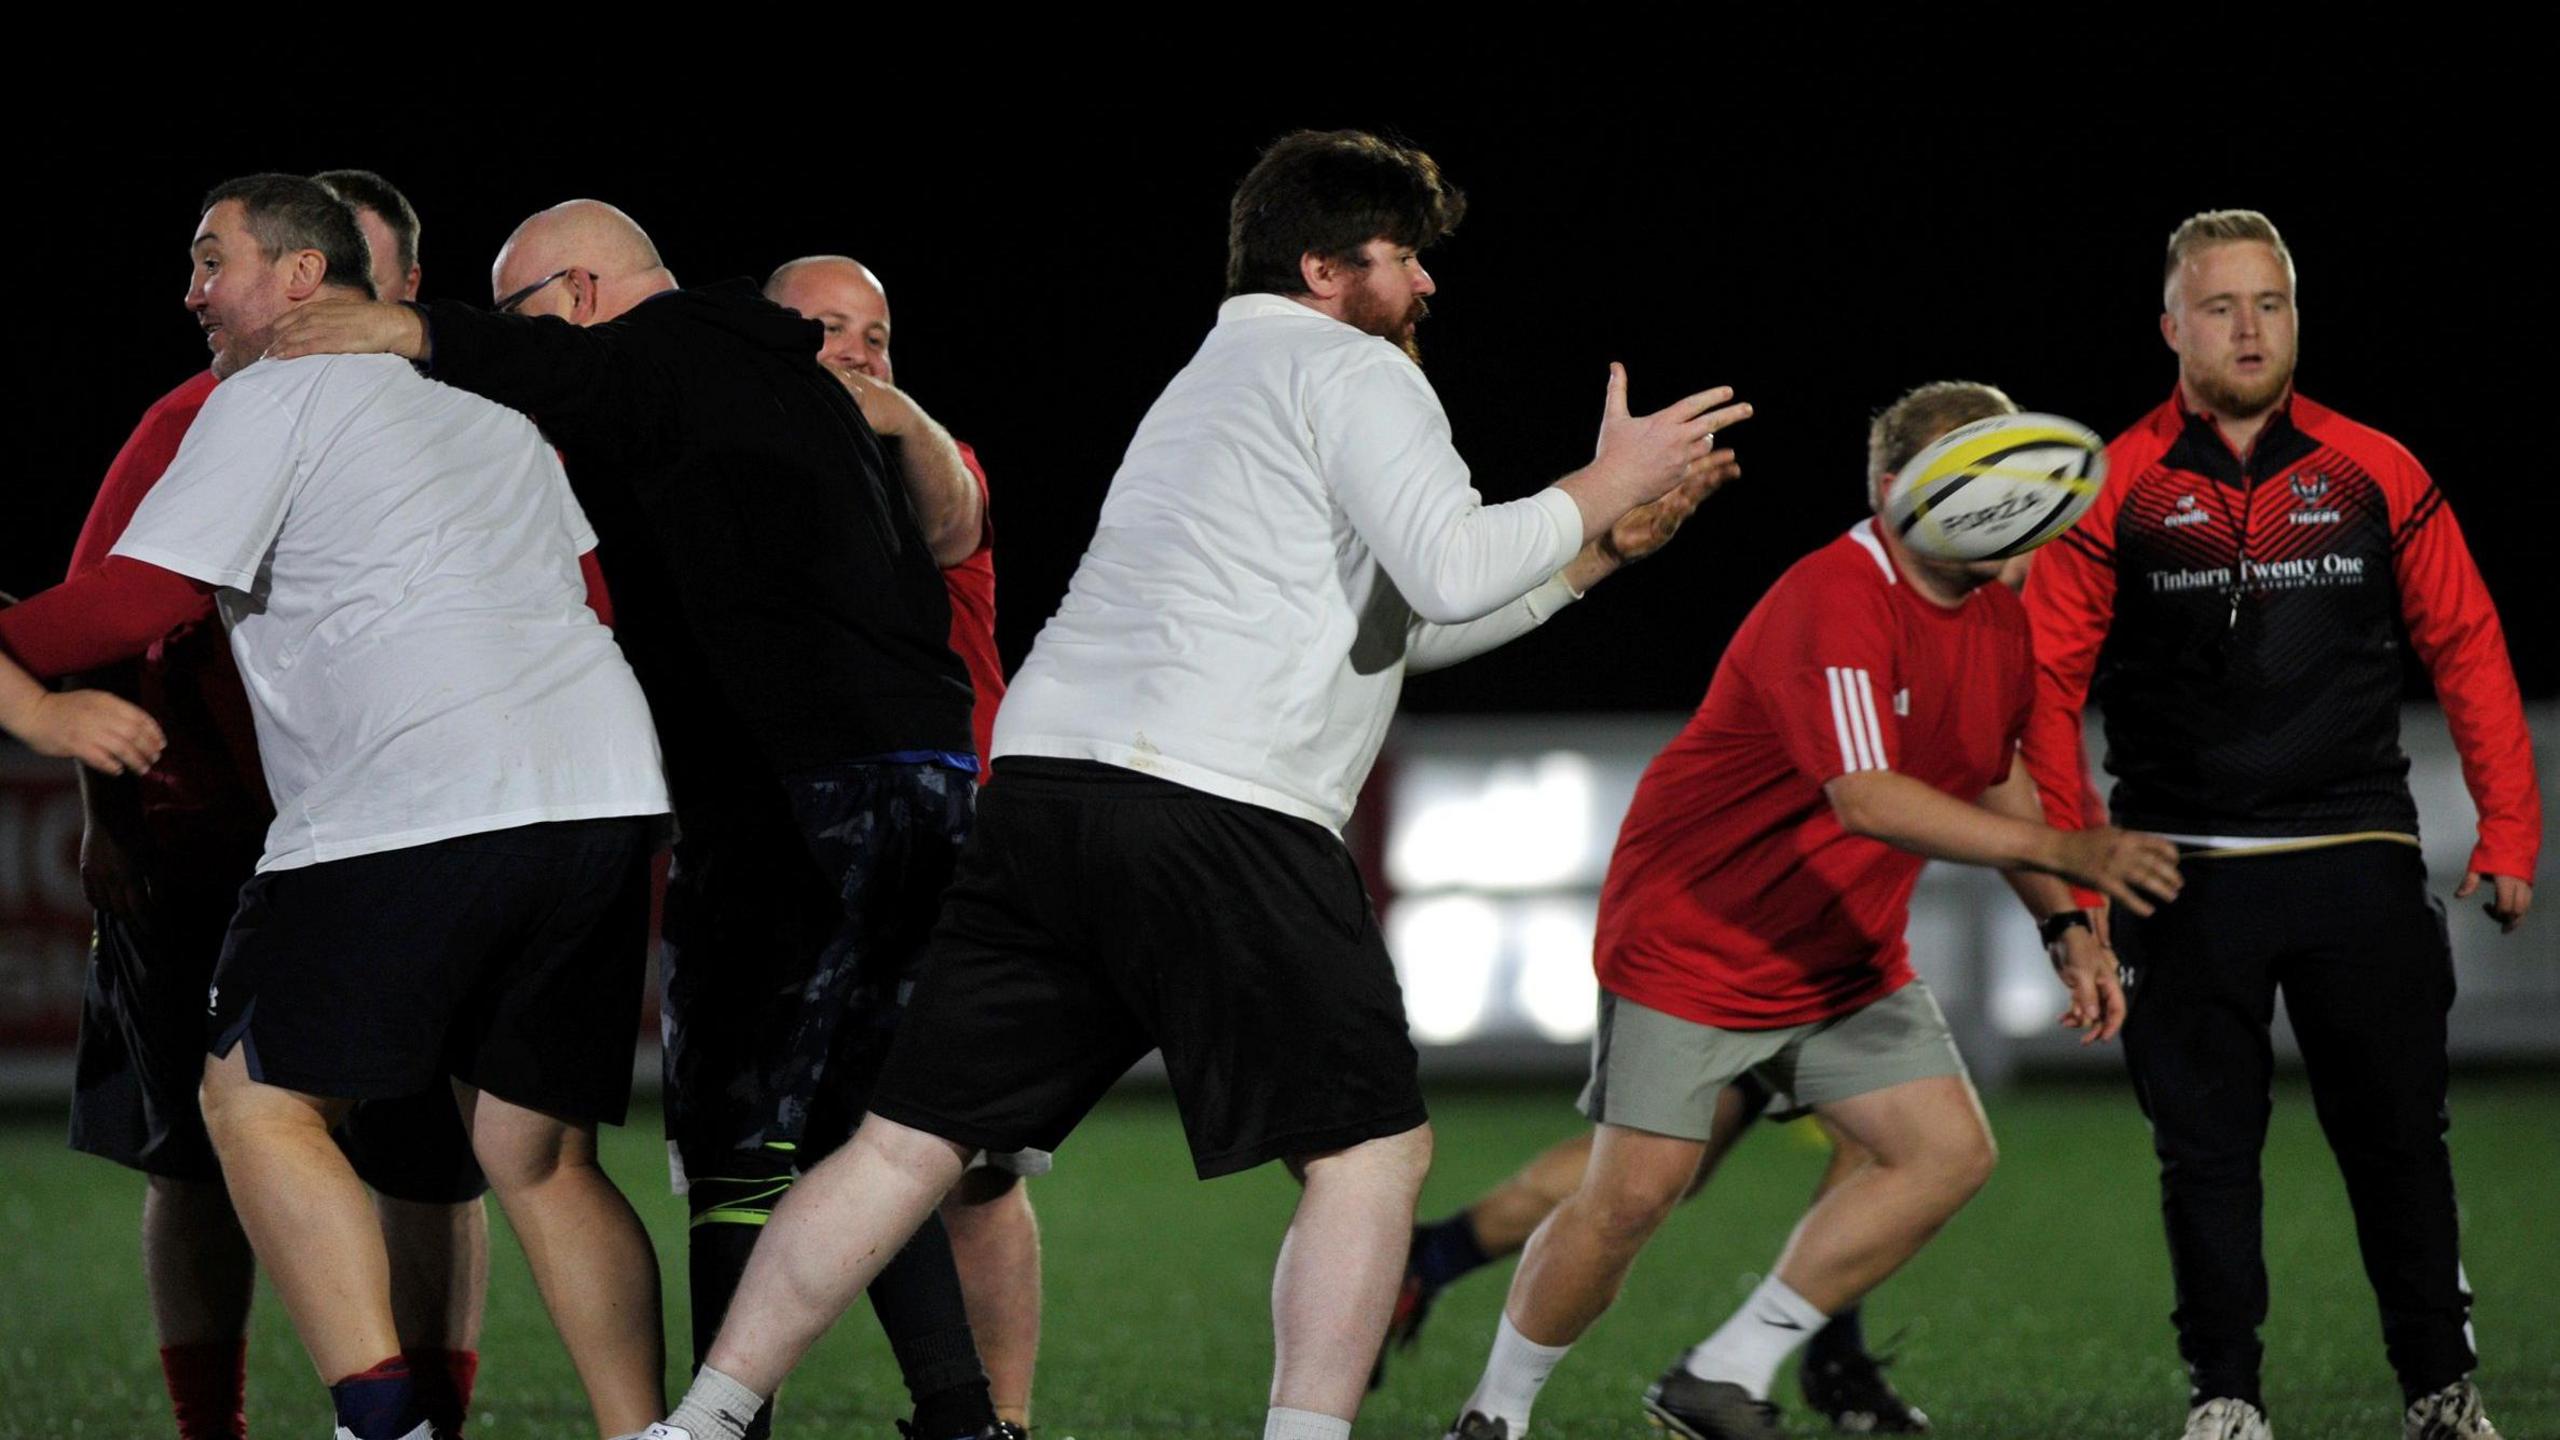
769 582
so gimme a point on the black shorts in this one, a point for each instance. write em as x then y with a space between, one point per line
1100 914
511 960
143 1036
792 937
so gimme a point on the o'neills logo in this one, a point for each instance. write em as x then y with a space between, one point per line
2265 575
2309 489
2187 512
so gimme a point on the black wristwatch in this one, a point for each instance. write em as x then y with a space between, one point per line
2051 928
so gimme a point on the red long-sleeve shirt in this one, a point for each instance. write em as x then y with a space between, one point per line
2237 622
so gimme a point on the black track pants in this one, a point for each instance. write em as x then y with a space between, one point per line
2351 938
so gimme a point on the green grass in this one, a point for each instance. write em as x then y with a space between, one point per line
2041 1312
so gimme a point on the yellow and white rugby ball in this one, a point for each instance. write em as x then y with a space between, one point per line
1997 487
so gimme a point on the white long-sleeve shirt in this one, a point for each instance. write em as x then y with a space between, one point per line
1290 532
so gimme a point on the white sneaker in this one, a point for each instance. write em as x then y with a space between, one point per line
2452 1413
2227 1419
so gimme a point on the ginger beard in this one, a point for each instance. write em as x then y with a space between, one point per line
1391 317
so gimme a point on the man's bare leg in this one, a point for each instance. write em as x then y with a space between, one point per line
833 1232
196 1262
439 1290
1338 1267
1577 1261
439 1270
306 1214
590 1257
201 1276
1500 1222
995 1242
1931 1151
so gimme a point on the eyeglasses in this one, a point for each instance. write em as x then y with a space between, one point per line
508 305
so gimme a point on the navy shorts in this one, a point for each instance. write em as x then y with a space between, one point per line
143 1037
511 960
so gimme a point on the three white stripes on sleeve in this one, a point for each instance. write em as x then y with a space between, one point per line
1853 717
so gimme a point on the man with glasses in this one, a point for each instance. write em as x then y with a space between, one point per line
789 623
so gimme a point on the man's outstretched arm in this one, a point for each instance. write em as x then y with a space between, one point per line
1638 534
947 492
104 615
583 385
90 726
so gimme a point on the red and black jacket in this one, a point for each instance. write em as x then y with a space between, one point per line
2250 688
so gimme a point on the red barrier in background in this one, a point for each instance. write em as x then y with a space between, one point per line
44 919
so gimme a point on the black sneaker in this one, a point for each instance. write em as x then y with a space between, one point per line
992 1430
1709 1409
1852 1391
1476 1426
1404 1326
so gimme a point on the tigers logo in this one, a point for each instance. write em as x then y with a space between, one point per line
2309 489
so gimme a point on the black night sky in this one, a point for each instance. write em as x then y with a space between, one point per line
1810 236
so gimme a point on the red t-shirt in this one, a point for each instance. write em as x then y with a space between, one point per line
207 789
972 584
1734 898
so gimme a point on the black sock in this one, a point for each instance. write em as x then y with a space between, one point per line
1842 1337
716 1258
1446 1249
917 1300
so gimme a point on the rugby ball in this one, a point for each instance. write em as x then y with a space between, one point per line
1997 487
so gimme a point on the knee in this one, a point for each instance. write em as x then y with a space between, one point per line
517 1158
920 1155
239 1111
1398 1161
984 1200
1624 1212
1969 1164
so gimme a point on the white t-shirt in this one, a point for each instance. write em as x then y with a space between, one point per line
398 564
1290 532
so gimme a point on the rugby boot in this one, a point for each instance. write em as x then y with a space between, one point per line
2452 1413
1854 1394
2227 1419
1475 1425
1700 1409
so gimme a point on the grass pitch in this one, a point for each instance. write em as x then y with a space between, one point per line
2041 1312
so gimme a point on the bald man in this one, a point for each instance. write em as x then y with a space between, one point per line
994 1235
789 622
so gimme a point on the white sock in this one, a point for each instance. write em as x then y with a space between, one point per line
716 1408
1304 1425
1748 1349
1513 1375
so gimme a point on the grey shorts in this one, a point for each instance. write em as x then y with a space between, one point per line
1659 1073
1022 1164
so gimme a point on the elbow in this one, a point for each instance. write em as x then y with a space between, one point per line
1437 606
1852 806
951 544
